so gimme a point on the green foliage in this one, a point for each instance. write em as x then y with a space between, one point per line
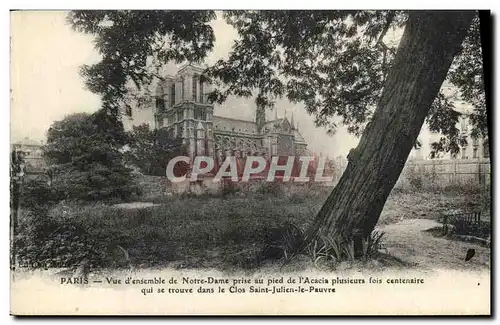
284 241
185 230
97 181
194 232
271 188
65 238
466 73
151 150
37 192
53 245
288 241
134 43
82 138
373 244
228 188
85 158
443 119
480 229
335 250
320 58
334 62
418 181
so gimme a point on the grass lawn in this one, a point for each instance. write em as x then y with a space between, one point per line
214 232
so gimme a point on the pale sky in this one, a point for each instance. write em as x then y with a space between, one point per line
45 84
46 55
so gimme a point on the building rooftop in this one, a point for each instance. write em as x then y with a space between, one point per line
230 124
27 142
298 137
196 67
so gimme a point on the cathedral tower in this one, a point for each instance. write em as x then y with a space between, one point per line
182 107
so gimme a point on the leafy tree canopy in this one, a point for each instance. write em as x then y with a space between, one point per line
85 158
334 62
151 150
133 43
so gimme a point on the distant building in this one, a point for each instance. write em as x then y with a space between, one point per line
32 153
182 108
476 148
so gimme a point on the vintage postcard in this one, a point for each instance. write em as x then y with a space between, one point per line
252 162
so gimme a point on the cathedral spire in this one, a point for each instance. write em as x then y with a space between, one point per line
292 122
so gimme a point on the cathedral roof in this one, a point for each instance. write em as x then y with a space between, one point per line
192 67
272 122
221 123
228 124
281 123
298 137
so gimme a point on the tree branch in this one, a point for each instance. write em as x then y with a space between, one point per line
389 19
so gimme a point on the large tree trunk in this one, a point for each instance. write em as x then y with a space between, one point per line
429 43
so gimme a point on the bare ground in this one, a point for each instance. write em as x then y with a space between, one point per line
409 241
134 205
408 246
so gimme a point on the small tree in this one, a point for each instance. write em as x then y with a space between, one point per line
85 160
151 150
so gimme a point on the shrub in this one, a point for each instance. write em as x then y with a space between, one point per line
283 242
414 179
64 236
228 187
151 150
419 180
462 227
333 251
97 183
415 182
37 192
270 188
85 157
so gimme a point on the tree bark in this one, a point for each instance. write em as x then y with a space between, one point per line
429 43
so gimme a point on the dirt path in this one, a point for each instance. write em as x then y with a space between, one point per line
135 205
408 241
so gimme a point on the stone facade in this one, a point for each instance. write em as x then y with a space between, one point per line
181 106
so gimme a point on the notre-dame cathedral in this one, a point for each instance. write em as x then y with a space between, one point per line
182 108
